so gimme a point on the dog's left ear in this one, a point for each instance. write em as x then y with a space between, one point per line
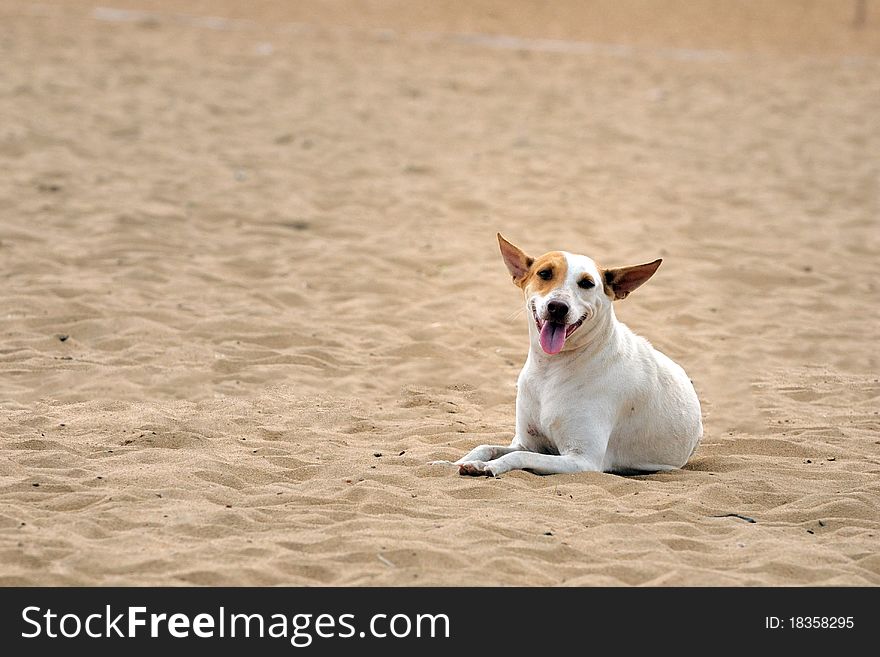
623 280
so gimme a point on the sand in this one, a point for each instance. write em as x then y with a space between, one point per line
251 287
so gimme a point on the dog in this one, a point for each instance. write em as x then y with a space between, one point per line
593 395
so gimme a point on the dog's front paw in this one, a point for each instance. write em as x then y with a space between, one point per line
476 469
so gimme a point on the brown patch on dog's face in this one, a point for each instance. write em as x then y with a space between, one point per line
586 282
547 272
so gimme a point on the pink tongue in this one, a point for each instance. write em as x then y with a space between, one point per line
552 337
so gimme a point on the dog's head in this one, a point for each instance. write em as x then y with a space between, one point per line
565 292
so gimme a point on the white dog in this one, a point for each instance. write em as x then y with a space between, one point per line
592 396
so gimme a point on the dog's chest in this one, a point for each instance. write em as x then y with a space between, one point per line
543 403
536 440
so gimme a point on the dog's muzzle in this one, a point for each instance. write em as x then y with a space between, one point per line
554 331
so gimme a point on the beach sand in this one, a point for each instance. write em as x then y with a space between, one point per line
251 287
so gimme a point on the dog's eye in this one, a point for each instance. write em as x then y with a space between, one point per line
586 283
545 274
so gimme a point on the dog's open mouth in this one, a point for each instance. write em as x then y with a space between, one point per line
553 335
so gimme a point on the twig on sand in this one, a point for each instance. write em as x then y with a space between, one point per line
735 515
860 14
390 564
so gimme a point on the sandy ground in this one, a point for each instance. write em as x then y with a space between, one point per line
251 287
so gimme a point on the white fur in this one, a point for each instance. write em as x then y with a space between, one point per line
607 402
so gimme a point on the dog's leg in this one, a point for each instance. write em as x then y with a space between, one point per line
488 453
538 463
483 453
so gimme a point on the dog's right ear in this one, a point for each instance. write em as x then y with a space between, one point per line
518 263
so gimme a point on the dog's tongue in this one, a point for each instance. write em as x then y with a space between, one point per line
552 337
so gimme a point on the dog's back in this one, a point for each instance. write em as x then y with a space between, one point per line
659 420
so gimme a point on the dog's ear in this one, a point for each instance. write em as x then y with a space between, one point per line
623 280
517 262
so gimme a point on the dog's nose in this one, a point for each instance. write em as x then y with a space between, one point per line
557 311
